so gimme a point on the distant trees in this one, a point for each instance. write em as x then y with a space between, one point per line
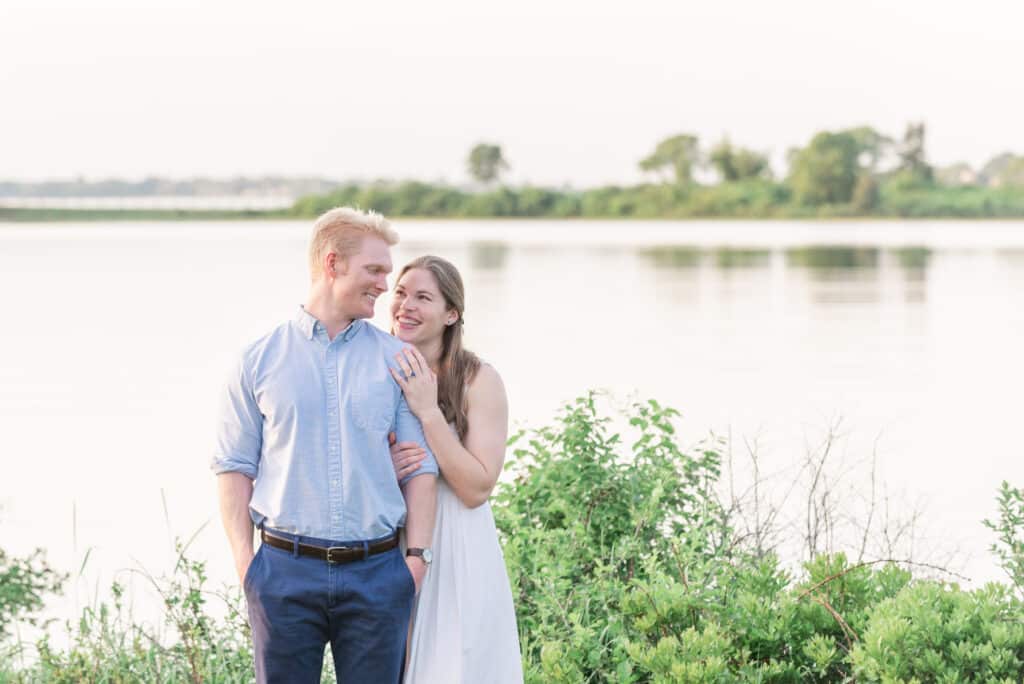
1004 171
912 163
677 155
858 171
486 163
874 147
737 163
826 171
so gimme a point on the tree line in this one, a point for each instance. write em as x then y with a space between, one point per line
850 172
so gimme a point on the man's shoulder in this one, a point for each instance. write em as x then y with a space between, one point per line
268 341
388 343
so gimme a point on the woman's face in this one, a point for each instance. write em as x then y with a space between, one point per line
419 314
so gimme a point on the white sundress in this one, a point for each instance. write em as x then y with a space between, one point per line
464 624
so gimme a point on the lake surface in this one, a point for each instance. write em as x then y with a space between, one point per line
116 338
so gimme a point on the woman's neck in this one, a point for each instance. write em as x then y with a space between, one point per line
431 351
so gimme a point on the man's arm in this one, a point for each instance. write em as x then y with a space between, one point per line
234 491
421 502
419 490
236 463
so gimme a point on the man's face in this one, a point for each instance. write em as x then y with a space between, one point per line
361 278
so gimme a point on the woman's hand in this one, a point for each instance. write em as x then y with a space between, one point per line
405 457
419 384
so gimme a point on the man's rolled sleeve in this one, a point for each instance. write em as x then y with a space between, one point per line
409 429
239 428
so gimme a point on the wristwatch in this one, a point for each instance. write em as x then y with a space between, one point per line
423 554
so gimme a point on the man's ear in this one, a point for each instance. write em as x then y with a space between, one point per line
334 265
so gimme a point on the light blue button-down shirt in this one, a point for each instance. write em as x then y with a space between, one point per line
307 418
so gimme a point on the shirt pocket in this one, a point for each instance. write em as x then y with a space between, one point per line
373 406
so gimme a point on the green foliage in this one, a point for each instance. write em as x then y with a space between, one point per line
23 584
486 163
912 157
737 163
1004 171
930 632
866 194
107 646
826 171
873 146
678 155
1009 529
915 201
626 568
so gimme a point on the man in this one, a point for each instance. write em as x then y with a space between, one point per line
302 453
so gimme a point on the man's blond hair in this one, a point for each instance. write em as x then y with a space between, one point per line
341 230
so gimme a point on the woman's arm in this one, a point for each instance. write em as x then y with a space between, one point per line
472 469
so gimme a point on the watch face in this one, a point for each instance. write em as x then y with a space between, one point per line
427 556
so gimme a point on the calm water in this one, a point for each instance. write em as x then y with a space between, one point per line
116 337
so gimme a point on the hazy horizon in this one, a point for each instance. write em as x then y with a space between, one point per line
576 94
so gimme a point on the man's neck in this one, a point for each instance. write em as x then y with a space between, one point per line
321 308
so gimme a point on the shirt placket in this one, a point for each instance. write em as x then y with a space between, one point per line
335 494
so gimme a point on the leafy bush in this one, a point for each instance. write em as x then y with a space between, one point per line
1009 548
625 567
934 633
106 646
23 584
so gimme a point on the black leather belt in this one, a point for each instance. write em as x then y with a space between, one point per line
332 554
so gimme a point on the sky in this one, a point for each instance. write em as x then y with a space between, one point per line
575 91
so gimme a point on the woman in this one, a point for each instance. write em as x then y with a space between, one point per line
464 624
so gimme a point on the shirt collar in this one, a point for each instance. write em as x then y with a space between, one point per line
310 326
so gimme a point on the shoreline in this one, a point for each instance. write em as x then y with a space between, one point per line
29 216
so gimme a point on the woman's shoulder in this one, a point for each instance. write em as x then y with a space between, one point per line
486 382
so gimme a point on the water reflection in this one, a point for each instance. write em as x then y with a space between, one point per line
488 256
742 258
677 257
674 257
913 259
833 258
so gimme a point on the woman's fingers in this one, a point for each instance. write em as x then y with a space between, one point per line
403 363
421 360
415 361
398 378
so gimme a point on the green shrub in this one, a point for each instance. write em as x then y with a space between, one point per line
1009 548
23 584
931 632
625 568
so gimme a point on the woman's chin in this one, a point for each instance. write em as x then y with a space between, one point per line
405 335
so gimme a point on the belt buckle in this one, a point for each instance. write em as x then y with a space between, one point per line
331 549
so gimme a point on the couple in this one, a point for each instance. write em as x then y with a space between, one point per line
330 440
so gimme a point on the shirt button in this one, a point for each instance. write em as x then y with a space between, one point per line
334 483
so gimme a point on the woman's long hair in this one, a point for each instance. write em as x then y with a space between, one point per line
458 365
